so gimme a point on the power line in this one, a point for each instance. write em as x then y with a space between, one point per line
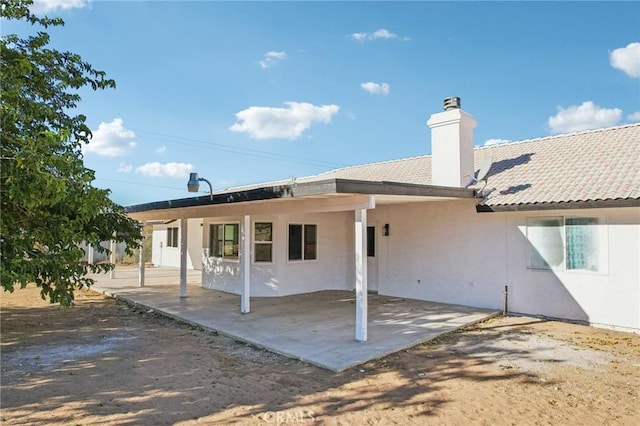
199 143
142 184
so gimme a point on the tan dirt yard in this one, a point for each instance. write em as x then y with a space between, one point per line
105 362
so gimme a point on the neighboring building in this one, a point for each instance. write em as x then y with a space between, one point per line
92 255
165 249
557 221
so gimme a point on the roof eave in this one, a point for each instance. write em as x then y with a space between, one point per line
257 194
308 189
365 187
563 205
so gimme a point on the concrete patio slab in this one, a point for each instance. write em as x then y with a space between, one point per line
318 328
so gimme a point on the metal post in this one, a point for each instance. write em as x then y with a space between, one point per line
505 306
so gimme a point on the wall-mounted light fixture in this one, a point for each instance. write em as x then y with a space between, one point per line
385 230
194 184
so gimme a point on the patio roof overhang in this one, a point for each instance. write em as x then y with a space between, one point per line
329 195
324 195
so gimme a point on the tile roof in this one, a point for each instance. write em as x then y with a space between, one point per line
602 164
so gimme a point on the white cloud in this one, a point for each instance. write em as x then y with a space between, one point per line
627 59
111 139
161 150
634 116
282 123
381 34
174 170
376 88
270 58
584 117
46 6
125 167
496 141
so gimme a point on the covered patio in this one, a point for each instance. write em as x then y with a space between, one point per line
313 327
282 201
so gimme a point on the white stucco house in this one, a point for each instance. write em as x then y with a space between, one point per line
556 220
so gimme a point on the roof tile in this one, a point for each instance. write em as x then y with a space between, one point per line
602 164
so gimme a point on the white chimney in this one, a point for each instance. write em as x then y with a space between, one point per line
452 145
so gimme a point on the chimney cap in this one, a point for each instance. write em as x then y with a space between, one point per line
452 102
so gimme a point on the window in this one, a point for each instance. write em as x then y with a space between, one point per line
545 237
263 242
303 242
566 243
371 241
224 240
582 243
172 237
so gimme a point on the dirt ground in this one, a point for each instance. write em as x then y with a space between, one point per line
104 362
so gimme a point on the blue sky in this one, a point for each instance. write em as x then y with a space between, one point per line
246 92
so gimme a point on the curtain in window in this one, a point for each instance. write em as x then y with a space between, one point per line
546 245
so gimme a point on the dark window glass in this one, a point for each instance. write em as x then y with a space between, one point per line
263 231
263 252
295 242
172 237
214 246
223 240
371 241
231 240
263 236
310 242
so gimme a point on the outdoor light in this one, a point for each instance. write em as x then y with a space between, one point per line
385 230
194 184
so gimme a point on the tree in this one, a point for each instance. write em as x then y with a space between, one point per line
48 203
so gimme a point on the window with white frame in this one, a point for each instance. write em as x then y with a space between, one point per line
263 242
172 237
303 242
224 240
571 243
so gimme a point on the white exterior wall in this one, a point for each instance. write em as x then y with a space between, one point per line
443 252
161 255
609 299
447 252
333 269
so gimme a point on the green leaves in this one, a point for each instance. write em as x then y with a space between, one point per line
47 201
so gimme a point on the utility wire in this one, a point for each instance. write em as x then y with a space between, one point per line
199 143
144 184
236 150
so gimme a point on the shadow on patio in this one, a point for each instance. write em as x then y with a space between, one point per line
318 328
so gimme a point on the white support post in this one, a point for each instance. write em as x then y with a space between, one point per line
90 254
183 257
112 258
361 274
141 264
245 292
